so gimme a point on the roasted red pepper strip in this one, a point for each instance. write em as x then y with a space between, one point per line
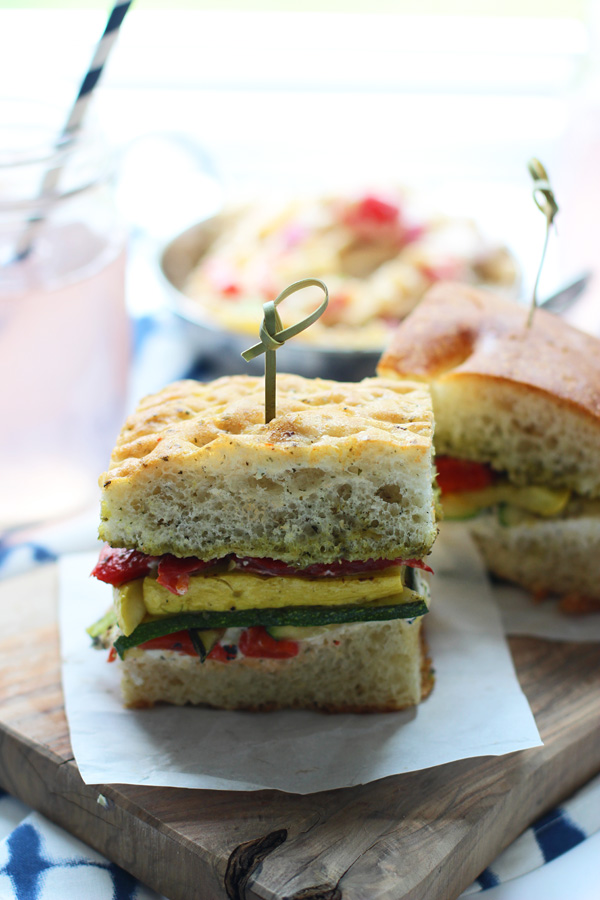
179 641
222 653
257 642
266 566
116 565
456 475
174 573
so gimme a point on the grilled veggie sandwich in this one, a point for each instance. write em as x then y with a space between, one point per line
265 566
517 435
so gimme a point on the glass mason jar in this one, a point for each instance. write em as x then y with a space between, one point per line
64 335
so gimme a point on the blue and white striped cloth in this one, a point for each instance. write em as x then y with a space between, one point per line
552 835
40 861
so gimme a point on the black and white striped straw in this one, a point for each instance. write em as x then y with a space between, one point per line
75 118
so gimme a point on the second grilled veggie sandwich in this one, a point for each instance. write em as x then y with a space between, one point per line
517 413
264 566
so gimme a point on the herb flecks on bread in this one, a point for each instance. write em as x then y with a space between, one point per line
343 472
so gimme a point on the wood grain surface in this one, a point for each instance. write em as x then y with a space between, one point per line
427 834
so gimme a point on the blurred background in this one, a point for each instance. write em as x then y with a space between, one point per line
268 96
209 104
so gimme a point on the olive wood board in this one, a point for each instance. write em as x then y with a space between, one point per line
425 834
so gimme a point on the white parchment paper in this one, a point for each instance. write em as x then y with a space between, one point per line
476 708
521 615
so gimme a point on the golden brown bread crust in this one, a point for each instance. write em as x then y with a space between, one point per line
189 418
343 470
427 670
458 332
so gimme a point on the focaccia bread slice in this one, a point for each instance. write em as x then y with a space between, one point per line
367 667
344 471
546 556
524 399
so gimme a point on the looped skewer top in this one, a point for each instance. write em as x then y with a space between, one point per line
543 197
541 185
273 336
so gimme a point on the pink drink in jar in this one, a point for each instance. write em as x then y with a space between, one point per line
64 336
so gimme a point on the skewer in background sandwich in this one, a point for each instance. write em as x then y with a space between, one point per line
517 434
264 566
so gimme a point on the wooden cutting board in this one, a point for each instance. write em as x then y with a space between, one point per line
427 834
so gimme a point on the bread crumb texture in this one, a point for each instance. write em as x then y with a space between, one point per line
527 400
378 667
344 471
554 556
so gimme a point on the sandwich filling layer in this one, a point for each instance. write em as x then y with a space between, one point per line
468 488
371 667
225 595
545 539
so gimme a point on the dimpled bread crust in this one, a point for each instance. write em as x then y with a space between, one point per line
344 471
376 667
526 400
